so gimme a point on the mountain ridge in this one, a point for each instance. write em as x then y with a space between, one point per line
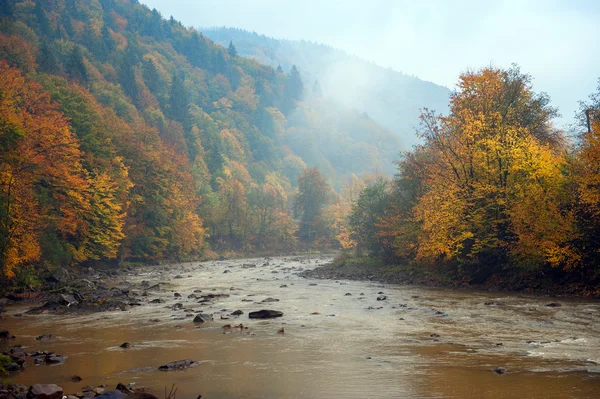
390 97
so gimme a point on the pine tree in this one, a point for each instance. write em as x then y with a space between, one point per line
178 100
231 50
75 66
151 77
294 87
279 69
127 74
47 59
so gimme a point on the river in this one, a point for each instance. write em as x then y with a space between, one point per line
417 343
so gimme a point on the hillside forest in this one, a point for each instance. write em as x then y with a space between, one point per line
127 137
392 98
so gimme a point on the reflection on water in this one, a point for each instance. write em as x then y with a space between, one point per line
356 347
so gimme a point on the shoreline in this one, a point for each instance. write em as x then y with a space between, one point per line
370 270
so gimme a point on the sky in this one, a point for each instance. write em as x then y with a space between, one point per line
555 41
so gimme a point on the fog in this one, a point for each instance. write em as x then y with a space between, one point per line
554 41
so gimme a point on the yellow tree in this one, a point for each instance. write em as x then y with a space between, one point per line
42 184
491 176
585 169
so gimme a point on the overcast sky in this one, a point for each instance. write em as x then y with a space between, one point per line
557 42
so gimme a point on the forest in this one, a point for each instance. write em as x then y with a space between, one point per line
392 98
127 137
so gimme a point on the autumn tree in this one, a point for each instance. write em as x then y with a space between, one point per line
43 187
312 197
492 174
367 212
585 172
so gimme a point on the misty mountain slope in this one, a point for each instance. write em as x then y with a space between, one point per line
387 96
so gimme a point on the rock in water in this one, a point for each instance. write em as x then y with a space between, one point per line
178 365
381 298
45 391
125 345
4 334
237 313
265 314
499 370
113 395
203 317
141 395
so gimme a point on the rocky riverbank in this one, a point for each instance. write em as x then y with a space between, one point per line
53 391
365 269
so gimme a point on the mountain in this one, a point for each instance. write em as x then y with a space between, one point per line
128 136
389 97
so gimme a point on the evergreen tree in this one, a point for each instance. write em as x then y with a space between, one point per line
107 42
127 74
48 60
313 194
75 66
294 87
178 100
218 62
151 77
279 69
196 50
44 23
231 50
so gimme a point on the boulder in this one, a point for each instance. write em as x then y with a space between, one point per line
141 395
113 395
237 313
125 345
4 334
45 391
12 367
381 298
60 275
179 365
67 299
270 300
265 314
203 317
16 391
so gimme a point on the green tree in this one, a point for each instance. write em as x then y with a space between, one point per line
367 213
47 59
294 88
311 199
231 50
75 66
178 100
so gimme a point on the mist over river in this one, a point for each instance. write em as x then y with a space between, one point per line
340 341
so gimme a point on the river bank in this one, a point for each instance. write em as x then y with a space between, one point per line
368 269
343 338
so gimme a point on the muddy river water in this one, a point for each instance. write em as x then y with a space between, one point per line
417 343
